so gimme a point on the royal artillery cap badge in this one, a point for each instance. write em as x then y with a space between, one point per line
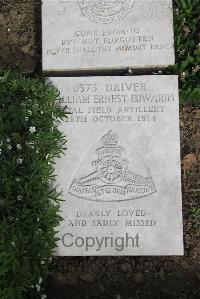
111 177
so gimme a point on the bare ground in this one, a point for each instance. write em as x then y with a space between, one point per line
20 34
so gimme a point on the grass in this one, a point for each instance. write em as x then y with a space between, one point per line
195 213
187 44
29 204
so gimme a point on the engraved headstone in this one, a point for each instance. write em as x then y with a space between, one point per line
83 35
120 175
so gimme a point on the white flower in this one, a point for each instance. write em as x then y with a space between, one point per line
26 118
32 129
13 243
19 161
41 112
40 280
30 112
8 139
38 219
130 71
31 144
1 143
9 147
196 69
32 286
19 146
37 287
0 151
19 197
43 296
183 76
42 262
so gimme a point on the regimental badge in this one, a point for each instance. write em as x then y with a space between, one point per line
110 176
105 11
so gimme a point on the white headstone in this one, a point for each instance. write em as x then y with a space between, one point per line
107 34
120 175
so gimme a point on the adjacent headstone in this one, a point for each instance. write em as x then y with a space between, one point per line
83 35
120 175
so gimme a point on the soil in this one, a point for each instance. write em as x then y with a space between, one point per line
20 34
113 277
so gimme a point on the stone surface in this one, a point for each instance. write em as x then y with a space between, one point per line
107 35
121 173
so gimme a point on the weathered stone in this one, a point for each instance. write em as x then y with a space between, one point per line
107 35
121 173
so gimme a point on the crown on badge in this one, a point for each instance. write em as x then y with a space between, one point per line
110 146
110 139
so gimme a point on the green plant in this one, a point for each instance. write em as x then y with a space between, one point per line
29 204
187 38
196 213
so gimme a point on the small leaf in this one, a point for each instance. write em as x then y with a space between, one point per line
189 162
